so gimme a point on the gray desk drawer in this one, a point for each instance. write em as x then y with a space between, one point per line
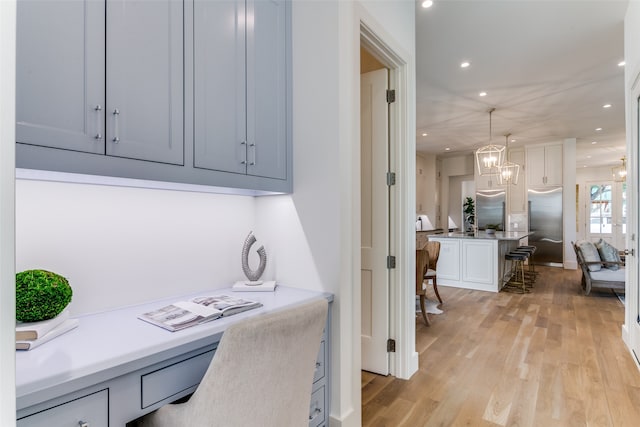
171 380
320 364
92 409
317 408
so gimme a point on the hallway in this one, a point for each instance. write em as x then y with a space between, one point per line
550 358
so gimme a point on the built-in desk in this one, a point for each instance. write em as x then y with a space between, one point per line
475 260
115 367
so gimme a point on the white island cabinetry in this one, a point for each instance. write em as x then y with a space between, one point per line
474 260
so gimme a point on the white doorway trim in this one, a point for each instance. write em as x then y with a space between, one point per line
404 362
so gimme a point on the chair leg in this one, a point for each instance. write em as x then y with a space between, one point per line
423 309
435 288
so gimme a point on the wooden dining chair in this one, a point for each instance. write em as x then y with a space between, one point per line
422 262
431 276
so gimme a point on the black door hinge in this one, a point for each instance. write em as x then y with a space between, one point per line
391 178
391 346
391 96
391 261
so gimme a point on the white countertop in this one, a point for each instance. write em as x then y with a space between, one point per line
498 235
115 342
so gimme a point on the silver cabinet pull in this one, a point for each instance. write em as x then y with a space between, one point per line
98 109
244 162
253 148
315 413
83 424
116 138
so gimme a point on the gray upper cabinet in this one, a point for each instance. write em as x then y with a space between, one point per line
219 74
127 105
145 80
267 90
176 91
240 87
60 74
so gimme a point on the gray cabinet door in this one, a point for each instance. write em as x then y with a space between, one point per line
267 89
219 85
145 80
60 74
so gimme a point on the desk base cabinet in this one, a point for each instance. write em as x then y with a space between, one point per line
118 399
90 410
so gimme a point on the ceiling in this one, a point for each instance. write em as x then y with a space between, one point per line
548 67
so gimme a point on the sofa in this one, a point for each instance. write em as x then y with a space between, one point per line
601 265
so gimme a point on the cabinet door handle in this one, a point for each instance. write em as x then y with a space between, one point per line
244 162
116 138
253 148
83 424
98 110
315 413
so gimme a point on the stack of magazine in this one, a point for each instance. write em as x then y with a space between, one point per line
183 314
30 335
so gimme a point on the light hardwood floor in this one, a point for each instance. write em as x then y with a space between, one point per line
550 358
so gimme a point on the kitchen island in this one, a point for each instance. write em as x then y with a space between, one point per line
475 260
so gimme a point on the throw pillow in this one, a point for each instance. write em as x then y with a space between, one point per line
590 254
608 253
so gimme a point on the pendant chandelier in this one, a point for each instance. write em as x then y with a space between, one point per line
620 172
509 171
490 157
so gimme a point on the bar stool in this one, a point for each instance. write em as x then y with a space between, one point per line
517 281
531 250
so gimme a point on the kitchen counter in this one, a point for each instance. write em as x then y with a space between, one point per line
475 260
481 234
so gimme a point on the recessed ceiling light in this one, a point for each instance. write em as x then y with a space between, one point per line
588 157
584 166
598 129
465 64
594 142
447 149
513 140
621 64
427 3
482 94
425 134
606 106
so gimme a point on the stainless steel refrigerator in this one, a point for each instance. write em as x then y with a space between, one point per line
490 208
545 220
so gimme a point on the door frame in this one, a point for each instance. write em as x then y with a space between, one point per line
404 361
631 328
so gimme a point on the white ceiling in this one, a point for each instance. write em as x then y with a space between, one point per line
548 67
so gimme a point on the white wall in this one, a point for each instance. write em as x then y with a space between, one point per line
317 228
426 186
121 245
453 171
7 252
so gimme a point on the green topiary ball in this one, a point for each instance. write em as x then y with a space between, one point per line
40 295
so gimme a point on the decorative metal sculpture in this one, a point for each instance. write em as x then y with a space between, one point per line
253 275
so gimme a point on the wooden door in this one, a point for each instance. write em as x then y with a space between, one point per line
375 221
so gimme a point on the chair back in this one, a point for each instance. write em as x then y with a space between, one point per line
422 263
261 374
433 248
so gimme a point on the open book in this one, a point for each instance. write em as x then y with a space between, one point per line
183 314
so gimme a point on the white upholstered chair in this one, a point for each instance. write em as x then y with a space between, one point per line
260 375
